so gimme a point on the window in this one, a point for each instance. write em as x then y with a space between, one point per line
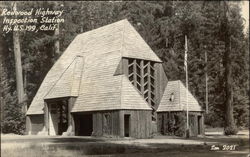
171 97
141 73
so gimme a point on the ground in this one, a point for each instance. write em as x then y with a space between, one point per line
14 145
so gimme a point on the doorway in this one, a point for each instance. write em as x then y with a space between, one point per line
84 124
126 125
58 117
199 124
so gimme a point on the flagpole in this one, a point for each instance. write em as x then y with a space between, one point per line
206 82
186 68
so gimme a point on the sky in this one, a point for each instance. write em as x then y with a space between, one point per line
245 14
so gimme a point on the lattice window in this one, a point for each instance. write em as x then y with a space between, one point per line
141 74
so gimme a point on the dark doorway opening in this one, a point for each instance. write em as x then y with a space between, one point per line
84 125
199 125
58 111
126 125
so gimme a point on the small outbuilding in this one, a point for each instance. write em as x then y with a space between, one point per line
172 112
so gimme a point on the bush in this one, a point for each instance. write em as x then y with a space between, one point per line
13 126
213 120
232 130
180 126
13 118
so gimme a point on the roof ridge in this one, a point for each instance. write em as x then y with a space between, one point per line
122 45
82 68
79 88
72 77
58 78
138 35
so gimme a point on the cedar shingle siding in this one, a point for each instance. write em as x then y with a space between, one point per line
179 103
93 78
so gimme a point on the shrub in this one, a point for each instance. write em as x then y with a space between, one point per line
213 120
14 119
180 126
232 130
15 124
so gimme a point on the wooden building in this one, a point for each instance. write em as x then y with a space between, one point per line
108 82
173 107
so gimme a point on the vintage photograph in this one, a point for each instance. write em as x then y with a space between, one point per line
124 78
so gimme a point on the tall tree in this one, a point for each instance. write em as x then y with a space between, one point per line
57 6
18 66
226 37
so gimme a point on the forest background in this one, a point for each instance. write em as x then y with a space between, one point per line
213 28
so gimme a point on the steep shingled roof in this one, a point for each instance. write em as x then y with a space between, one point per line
69 81
101 50
179 102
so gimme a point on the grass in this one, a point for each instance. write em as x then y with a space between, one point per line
22 146
120 151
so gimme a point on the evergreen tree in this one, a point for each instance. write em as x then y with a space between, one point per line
163 26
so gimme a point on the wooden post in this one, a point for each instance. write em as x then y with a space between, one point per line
71 122
149 84
46 117
158 83
134 73
28 127
121 121
202 124
142 78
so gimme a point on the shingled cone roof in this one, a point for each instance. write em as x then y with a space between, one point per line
87 70
179 101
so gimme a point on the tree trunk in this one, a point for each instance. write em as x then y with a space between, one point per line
56 33
18 66
91 10
229 118
57 44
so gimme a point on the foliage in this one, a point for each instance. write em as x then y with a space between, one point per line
213 120
230 130
180 126
14 120
176 124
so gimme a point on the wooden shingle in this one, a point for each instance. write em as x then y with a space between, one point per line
68 84
179 102
130 97
91 79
